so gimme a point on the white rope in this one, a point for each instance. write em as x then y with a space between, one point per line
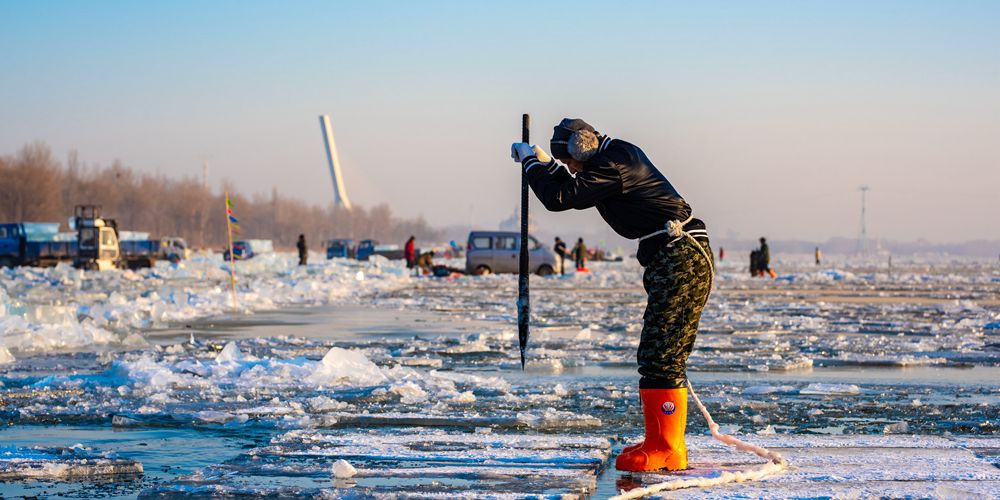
776 463
675 229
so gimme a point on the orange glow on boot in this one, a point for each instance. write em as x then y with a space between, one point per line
665 415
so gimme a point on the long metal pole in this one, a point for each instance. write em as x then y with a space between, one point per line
523 302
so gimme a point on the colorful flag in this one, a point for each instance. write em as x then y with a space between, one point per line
232 227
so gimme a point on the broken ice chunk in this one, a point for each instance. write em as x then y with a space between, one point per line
342 365
831 390
896 428
61 463
230 354
5 356
342 469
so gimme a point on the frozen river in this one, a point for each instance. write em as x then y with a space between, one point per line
126 384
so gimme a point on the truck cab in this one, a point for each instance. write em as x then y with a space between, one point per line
97 240
365 249
174 249
342 248
247 249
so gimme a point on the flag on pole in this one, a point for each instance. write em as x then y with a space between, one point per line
231 227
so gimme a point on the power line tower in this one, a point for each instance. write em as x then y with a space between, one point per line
863 233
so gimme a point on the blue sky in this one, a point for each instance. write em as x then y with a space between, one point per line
767 116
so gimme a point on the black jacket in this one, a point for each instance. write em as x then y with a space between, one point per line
629 192
560 249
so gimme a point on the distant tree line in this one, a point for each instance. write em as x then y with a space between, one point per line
35 187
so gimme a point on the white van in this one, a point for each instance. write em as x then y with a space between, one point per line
499 252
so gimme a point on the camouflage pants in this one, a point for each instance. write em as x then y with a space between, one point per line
677 283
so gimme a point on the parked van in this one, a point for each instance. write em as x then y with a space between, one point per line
499 252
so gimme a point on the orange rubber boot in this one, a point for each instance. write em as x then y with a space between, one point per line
665 415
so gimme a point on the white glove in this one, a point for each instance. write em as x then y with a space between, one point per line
521 150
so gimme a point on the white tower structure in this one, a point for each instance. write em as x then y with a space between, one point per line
863 233
339 189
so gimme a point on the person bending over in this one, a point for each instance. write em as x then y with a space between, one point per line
639 203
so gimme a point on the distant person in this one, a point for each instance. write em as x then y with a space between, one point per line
755 263
425 263
580 254
722 254
303 250
410 252
765 259
560 250
819 256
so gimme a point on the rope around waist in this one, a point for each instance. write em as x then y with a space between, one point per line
675 229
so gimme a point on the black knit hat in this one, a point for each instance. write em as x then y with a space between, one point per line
561 134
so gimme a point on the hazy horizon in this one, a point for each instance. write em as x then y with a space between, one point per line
766 116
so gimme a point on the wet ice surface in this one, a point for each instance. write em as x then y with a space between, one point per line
422 393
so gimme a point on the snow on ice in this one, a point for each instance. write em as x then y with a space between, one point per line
64 309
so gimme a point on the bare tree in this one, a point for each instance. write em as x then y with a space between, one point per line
35 187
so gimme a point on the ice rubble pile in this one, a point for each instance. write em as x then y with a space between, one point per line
293 383
61 308
187 382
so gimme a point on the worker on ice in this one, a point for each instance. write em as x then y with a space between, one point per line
303 250
560 251
639 203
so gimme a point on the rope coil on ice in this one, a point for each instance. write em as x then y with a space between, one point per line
776 463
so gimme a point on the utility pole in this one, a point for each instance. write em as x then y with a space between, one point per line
863 233
202 211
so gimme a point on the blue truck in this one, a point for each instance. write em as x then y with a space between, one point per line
343 248
367 248
248 249
33 244
95 245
